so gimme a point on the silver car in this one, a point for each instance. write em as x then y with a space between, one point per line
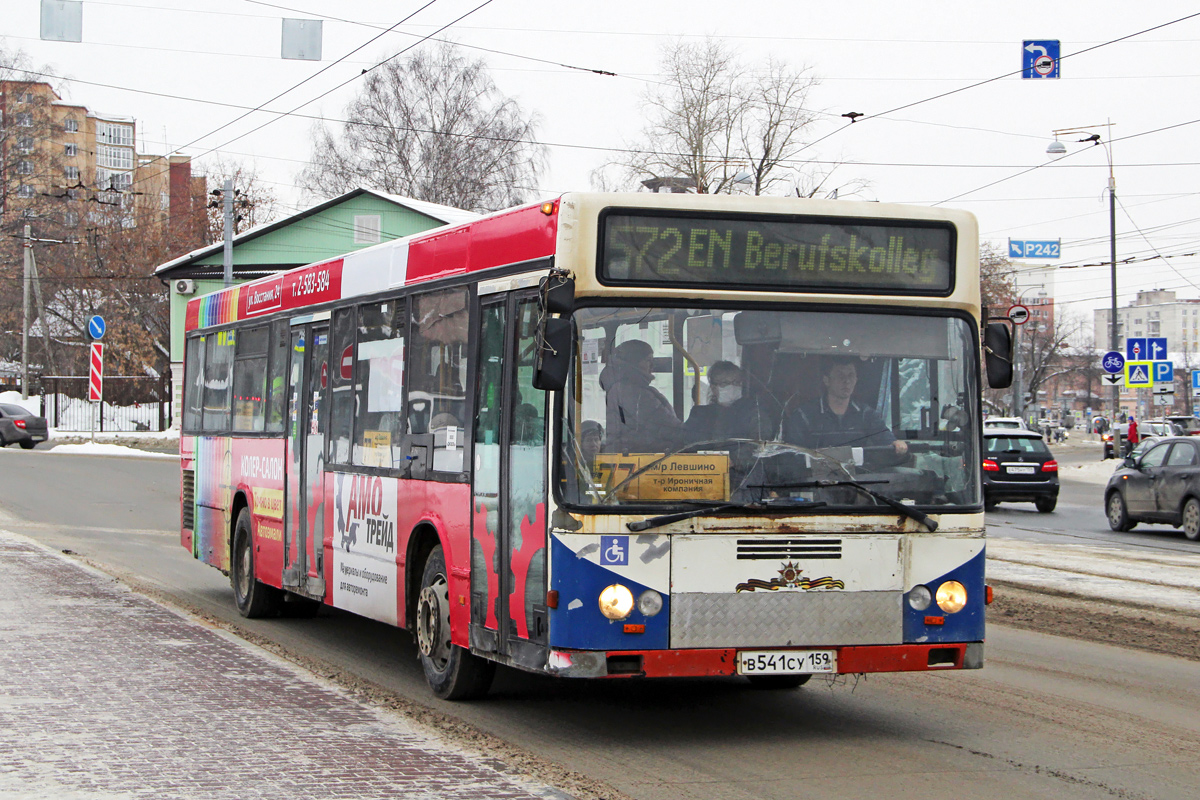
20 426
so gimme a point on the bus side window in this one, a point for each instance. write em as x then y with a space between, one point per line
193 384
218 380
436 396
250 380
341 369
379 384
277 379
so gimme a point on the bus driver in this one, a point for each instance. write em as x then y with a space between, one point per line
836 419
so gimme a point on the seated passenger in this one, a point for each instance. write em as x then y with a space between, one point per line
836 419
638 418
729 415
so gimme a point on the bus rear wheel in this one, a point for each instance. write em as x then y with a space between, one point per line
777 681
254 598
453 672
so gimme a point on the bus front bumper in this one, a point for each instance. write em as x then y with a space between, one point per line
723 661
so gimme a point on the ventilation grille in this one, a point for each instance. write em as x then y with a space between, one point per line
188 500
786 549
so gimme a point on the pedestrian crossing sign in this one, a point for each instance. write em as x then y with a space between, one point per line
1139 374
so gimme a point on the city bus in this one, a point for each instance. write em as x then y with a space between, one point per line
611 436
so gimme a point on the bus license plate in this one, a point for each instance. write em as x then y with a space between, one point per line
785 662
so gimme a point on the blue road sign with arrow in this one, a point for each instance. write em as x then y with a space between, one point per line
1135 350
1039 58
96 327
1156 349
1113 362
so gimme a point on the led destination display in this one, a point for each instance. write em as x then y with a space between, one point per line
800 254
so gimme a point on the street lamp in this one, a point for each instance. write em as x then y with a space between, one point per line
1058 148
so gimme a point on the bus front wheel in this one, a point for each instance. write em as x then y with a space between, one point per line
254 598
453 672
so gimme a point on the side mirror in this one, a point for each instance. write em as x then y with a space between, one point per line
553 358
556 293
1129 462
997 355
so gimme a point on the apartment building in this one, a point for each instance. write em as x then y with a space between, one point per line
1158 313
66 156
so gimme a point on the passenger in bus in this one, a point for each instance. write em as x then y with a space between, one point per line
638 418
729 413
836 419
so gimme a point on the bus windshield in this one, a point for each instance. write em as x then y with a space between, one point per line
773 408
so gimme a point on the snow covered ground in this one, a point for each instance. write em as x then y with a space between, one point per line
107 449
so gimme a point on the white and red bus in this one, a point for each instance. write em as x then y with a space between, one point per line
611 435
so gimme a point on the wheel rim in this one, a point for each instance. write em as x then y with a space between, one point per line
1191 519
1115 510
433 622
240 571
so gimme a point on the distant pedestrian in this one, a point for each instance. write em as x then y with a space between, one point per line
1132 436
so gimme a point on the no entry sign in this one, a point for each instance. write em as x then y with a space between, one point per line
96 373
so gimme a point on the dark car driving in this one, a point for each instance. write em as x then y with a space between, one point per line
1161 484
20 426
1018 467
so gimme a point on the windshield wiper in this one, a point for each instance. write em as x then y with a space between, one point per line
906 510
664 519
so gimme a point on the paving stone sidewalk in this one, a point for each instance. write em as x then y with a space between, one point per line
106 694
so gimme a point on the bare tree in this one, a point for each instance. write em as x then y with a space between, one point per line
995 278
719 124
254 201
433 127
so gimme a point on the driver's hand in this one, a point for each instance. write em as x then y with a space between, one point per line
901 447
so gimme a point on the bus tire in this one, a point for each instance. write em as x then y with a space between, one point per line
453 672
254 599
777 681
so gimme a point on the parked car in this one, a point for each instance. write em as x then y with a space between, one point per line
20 426
1018 467
1004 422
1190 425
1158 484
1122 429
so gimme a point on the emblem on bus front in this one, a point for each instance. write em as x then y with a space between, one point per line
790 577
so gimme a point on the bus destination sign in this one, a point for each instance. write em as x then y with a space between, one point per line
791 253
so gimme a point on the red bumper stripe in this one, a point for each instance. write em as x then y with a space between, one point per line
869 658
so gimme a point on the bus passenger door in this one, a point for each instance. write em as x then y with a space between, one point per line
308 377
508 548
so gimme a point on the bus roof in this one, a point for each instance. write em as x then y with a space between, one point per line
529 233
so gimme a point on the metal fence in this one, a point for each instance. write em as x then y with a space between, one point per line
129 405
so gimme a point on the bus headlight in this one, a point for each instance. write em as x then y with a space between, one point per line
616 602
920 598
952 597
649 603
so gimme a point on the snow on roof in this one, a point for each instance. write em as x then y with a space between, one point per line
448 214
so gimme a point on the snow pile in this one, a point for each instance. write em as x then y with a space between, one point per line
106 449
1095 472
33 405
1151 578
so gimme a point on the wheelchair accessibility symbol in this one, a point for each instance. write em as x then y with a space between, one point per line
614 551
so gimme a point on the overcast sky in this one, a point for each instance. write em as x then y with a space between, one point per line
186 68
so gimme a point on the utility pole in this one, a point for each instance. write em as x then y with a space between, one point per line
228 258
25 315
